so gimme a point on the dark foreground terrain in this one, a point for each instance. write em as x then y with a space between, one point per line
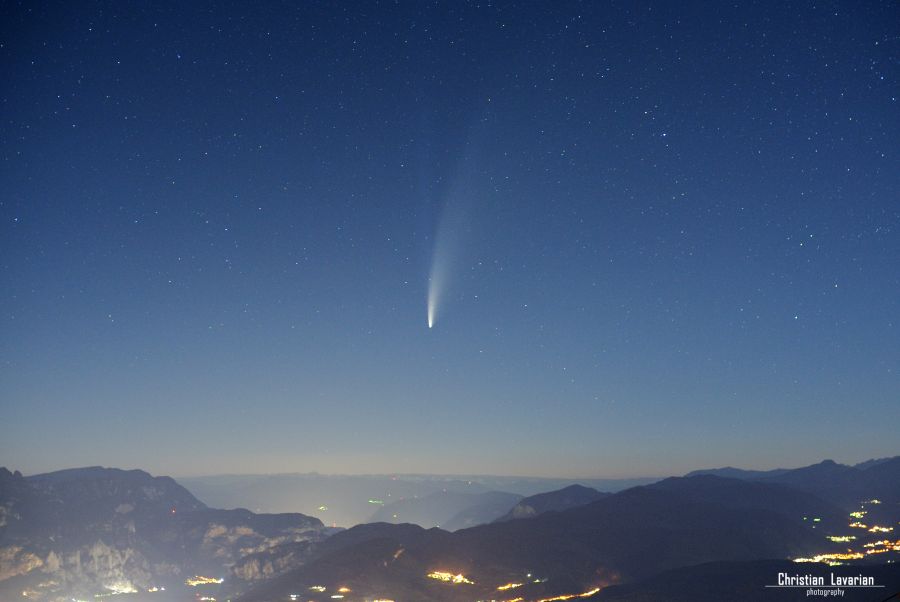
89 534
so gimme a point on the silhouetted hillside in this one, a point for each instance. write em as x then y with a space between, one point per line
837 483
873 462
730 472
95 530
843 484
626 536
563 499
735 493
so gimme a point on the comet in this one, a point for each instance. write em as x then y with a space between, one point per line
444 258
435 284
453 232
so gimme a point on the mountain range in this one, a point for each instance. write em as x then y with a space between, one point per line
838 483
618 538
79 533
95 530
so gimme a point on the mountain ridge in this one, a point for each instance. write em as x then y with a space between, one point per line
86 531
625 536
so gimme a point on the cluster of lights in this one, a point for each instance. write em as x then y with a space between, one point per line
558 598
201 580
832 559
587 594
449 577
321 588
880 547
877 547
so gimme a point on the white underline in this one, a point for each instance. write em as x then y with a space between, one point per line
824 586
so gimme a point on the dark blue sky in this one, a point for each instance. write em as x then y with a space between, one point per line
671 236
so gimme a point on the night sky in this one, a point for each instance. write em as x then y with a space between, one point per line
660 236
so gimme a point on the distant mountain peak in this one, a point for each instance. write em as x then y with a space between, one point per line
6 474
563 499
